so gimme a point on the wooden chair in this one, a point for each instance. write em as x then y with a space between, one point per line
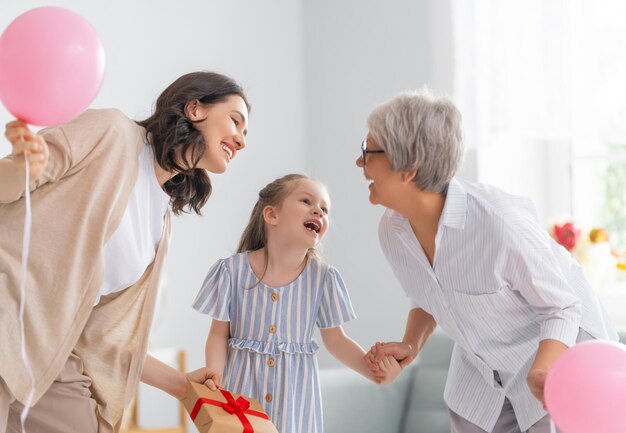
133 425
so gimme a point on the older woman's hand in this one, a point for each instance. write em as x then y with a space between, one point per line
536 380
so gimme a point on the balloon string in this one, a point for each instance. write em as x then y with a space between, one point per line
25 247
552 426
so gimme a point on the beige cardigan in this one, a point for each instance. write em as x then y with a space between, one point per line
76 206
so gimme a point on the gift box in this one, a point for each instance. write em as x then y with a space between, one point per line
222 412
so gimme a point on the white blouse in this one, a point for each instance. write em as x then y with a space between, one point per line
132 247
498 285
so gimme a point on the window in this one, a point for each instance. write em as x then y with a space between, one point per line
542 86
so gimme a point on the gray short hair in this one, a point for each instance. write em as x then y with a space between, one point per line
419 131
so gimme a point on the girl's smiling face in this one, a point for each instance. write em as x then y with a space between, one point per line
302 216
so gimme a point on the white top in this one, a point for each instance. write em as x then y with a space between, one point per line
498 285
132 247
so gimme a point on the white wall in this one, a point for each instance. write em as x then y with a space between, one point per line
312 71
358 55
150 43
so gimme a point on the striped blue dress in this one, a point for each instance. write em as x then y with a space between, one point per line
271 352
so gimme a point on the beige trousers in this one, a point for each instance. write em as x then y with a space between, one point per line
66 407
6 398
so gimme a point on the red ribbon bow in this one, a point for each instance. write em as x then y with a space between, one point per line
239 407
234 406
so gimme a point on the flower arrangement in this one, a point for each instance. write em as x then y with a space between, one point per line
566 234
601 262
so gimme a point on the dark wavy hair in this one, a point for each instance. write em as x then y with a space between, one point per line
173 136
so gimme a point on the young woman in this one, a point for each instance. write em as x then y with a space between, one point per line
101 188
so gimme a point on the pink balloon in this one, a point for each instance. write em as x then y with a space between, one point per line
585 390
51 66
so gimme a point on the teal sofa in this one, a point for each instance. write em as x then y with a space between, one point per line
412 404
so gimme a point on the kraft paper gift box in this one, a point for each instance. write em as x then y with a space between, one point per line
222 412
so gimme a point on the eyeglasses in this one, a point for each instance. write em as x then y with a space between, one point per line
365 151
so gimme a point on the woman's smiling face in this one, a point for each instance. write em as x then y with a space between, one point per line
223 127
377 170
303 213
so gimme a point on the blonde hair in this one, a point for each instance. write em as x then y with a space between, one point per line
254 236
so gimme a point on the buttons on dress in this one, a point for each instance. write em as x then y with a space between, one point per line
268 397
272 329
274 297
271 362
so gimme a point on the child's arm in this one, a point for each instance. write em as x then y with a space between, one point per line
351 354
215 351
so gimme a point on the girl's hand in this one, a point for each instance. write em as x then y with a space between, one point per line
402 352
25 142
390 368
206 377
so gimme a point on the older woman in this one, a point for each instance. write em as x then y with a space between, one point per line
475 261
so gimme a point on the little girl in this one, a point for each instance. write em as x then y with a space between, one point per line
266 300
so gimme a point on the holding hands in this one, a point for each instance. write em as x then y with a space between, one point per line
386 360
388 370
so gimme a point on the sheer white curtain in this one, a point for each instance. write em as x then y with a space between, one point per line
599 117
542 85
513 83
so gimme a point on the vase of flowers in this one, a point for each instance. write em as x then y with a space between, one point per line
602 264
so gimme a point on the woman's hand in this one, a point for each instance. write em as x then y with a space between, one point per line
403 353
536 380
549 350
25 142
160 375
206 377
419 327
